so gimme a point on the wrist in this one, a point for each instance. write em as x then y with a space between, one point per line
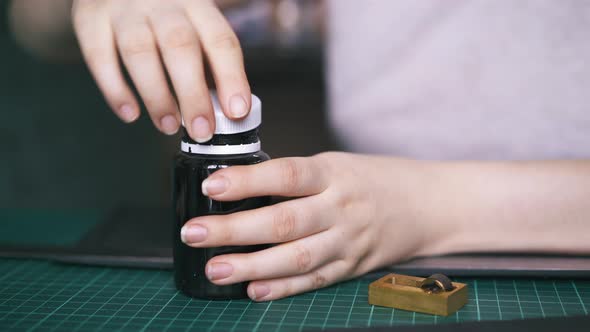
436 206
410 206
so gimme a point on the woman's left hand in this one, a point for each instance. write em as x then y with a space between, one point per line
352 214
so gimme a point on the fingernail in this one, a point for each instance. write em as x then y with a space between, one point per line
169 124
127 114
237 106
214 186
218 271
193 233
259 292
201 129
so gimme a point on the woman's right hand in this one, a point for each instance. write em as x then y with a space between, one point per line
161 41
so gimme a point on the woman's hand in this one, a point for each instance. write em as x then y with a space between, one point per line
159 41
351 214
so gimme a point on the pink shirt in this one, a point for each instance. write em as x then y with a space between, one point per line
478 79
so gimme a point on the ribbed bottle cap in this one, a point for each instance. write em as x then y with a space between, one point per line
225 126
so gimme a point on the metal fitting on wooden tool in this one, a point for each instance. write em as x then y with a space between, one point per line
437 283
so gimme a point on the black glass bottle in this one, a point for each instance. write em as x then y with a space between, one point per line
234 143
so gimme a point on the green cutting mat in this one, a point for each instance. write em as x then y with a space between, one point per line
37 295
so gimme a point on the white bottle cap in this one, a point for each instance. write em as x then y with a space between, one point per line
225 126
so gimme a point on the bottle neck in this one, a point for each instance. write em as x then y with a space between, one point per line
240 143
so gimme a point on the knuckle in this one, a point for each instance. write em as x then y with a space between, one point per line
219 231
284 289
327 155
288 289
225 41
133 44
290 174
302 259
178 37
350 268
283 225
318 280
344 201
363 266
223 229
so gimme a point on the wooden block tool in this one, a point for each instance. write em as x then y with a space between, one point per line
436 294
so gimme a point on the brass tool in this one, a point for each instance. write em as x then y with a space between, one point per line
436 294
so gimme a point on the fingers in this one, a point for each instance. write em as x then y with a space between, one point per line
289 177
179 45
138 50
224 55
277 223
273 289
292 258
180 30
95 37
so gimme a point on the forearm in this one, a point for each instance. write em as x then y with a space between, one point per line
539 206
44 28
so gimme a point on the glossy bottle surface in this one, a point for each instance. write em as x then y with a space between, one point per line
189 263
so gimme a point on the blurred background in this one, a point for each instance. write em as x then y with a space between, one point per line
61 146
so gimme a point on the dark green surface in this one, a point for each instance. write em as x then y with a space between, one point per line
37 295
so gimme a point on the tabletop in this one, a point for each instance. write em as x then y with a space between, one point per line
41 295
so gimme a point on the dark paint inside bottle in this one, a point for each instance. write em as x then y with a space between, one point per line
190 169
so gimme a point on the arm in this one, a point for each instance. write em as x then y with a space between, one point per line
45 27
537 206
353 213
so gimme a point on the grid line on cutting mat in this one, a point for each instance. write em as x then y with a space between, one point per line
39 295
